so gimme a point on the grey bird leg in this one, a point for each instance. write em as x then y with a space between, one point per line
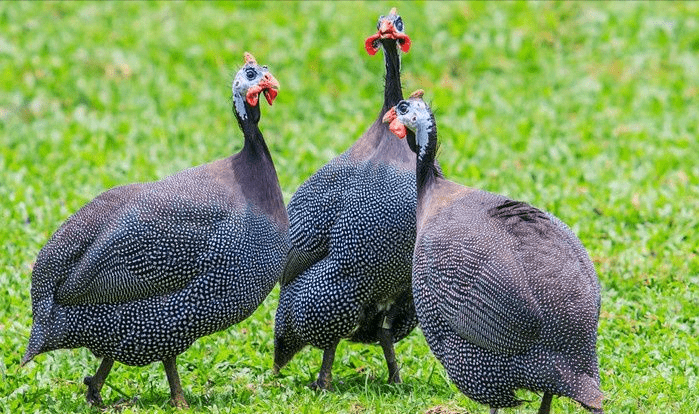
386 341
173 378
545 407
324 381
493 411
95 382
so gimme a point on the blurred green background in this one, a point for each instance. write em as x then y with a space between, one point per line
587 110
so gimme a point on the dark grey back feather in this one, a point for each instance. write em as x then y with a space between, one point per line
515 283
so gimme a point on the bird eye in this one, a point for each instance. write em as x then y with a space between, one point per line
250 74
399 24
402 107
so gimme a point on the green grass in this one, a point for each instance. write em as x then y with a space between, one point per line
588 110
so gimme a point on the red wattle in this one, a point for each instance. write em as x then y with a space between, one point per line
253 95
403 41
397 128
369 44
270 95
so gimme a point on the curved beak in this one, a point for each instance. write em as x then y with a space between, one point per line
269 86
389 116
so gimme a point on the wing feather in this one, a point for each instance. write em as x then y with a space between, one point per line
483 296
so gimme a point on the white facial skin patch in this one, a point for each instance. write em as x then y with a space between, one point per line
247 77
417 118
244 80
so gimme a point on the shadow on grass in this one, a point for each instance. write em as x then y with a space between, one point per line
358 384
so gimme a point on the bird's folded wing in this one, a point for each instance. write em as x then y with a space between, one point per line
298 260
136 252
313 210
485 300
134 263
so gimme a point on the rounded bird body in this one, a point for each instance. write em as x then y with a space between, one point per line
143 270
183 247
505 293
365 260
352 234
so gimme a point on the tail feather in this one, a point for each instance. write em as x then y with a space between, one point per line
284 351
590 395
36 344
562 378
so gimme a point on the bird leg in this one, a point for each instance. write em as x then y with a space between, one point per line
493 411
545 407
324 381
386 341
95 382
173 378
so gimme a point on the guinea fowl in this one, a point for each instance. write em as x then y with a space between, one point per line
143 270
352 235
506 294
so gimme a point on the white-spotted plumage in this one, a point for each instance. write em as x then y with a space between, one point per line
506 294
143 270
352 234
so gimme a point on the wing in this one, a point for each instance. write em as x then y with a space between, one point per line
517 210
482 296
313 210
129 243
299 260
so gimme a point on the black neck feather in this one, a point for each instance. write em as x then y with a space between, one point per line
252 115
254 141
426 170
255 170
393 92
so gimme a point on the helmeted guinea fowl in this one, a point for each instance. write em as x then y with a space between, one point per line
352 234
143 270
506 294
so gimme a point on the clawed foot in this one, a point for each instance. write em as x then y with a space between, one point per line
318 385
395 379
178 401
93 394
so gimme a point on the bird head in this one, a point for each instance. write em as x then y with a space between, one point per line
413 118
389 27
253 79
